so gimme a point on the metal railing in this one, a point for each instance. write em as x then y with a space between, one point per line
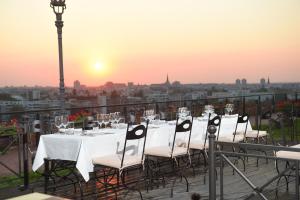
215 152
256 105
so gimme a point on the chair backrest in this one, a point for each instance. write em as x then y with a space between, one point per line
184 126
242 119
228 121
216 121
138 132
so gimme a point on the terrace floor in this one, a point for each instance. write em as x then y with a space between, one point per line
234 186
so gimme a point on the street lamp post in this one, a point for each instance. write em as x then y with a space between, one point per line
58 7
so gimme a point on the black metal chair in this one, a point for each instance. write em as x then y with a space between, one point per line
238 136
178 150
258 135
196 145
116 164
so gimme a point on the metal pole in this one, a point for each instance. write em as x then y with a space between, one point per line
212 161
19 152
25 154
297 180
244 105
125 114
59 24
257 111
296 116
221 178
273 103
156 108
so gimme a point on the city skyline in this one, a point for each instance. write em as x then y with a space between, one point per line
140 41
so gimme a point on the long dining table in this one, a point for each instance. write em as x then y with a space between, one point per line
82 146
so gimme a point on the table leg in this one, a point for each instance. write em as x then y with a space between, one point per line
46 175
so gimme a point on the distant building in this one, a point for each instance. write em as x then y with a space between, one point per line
176 84
130 84
76 85
102 101
162 86
262 83
36 95
244 82
110 86
157 97
238 82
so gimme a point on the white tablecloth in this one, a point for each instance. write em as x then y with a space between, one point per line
110 141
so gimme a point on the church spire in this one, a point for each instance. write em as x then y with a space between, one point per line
168 79
167 83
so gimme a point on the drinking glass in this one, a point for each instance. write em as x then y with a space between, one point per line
58 121
106 119
229 108
64 121
117 117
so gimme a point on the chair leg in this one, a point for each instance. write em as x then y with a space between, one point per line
178 173
131 188
106 182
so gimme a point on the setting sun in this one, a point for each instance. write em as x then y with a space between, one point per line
98 66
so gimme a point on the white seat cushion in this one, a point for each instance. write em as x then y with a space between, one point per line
165 151
288 154
115 161
198 144
238 138
253 134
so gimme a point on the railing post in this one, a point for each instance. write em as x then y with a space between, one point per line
273 103
244 105
212 161
125 114
193 108
237 102
25 153
156 108
297 179
258 106
37 129
221 178
206 101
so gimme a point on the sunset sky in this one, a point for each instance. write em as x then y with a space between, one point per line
142 41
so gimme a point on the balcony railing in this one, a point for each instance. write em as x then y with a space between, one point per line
25 138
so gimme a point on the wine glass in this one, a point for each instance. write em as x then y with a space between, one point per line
58 121
64 121
149 115
106 119
183 113
229 108
112 117
101 119
208 109
117 117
